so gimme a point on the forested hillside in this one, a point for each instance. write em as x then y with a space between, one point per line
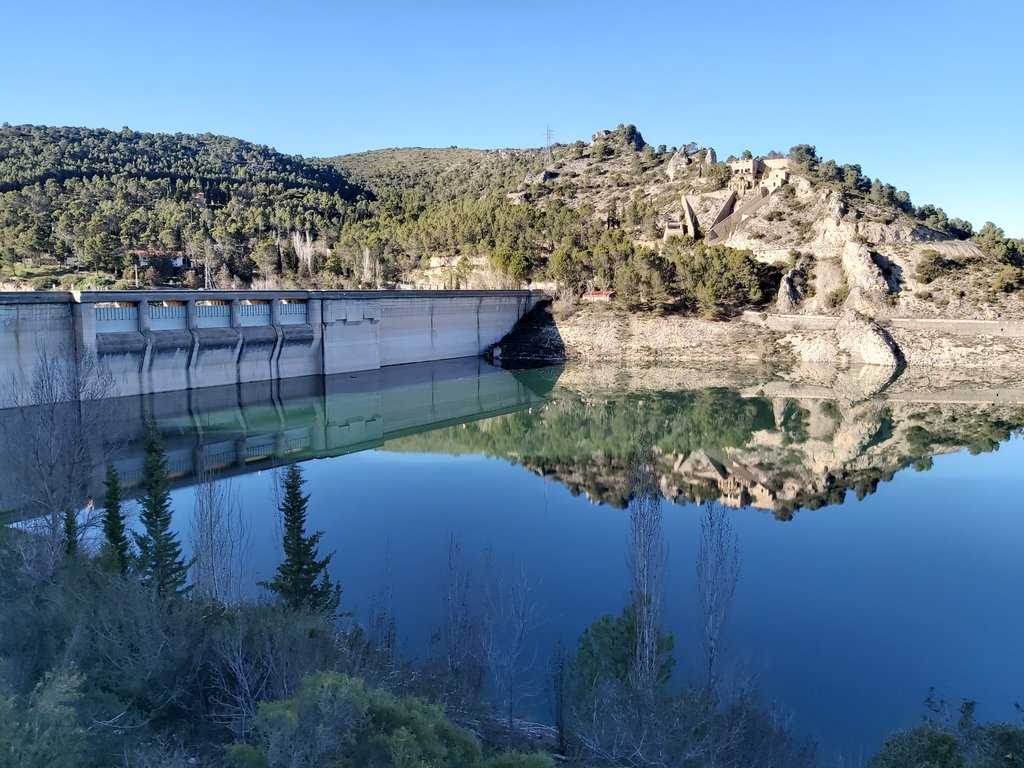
91 197
96 208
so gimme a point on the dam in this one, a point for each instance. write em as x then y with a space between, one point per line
164 341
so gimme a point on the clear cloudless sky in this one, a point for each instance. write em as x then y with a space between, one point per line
928 96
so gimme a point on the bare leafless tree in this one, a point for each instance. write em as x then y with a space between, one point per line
718 572
381 624
242 677
370 268
513 613
260 653
460 639
54 442
648 563
371 648
221 534
304 247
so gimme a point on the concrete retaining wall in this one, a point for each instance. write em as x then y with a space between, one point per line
939 326
163 341
1002 328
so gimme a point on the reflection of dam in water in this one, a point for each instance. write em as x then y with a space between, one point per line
239 429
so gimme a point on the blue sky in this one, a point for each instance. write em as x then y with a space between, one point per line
929 96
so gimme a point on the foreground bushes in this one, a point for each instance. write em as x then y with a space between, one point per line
97 669
335 720
991 745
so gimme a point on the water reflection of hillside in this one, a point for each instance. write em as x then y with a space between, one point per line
769 444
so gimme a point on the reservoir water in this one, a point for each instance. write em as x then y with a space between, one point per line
877 534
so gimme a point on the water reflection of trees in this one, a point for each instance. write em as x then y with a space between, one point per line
782 453
624 709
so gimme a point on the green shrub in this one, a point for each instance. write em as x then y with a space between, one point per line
967 745
336 720
45 734
927 746
838 297
801 227
717 175
43 283
520 760
934 265
245 756
716 280
1008 280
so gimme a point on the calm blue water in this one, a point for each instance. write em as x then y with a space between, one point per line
847 614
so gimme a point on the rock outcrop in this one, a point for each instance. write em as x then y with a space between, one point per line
539 178
789 297
676 164
864 341
868 286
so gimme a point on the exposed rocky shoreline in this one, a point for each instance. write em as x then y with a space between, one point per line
961 348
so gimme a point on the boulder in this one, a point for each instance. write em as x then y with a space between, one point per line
539 178
862 340
710 158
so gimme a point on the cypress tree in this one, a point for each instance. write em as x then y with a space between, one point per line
70 532
160 560
115 549
302 581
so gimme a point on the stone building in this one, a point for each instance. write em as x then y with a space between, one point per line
744 174
770 173
776 172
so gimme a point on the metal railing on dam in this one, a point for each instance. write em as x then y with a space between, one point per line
238 429
162 341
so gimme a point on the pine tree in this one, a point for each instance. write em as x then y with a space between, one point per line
115 548
302 581
160 560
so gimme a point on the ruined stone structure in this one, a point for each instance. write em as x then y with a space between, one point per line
770 173
744 175
776 172
687 226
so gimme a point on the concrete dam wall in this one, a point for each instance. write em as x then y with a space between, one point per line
162 341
